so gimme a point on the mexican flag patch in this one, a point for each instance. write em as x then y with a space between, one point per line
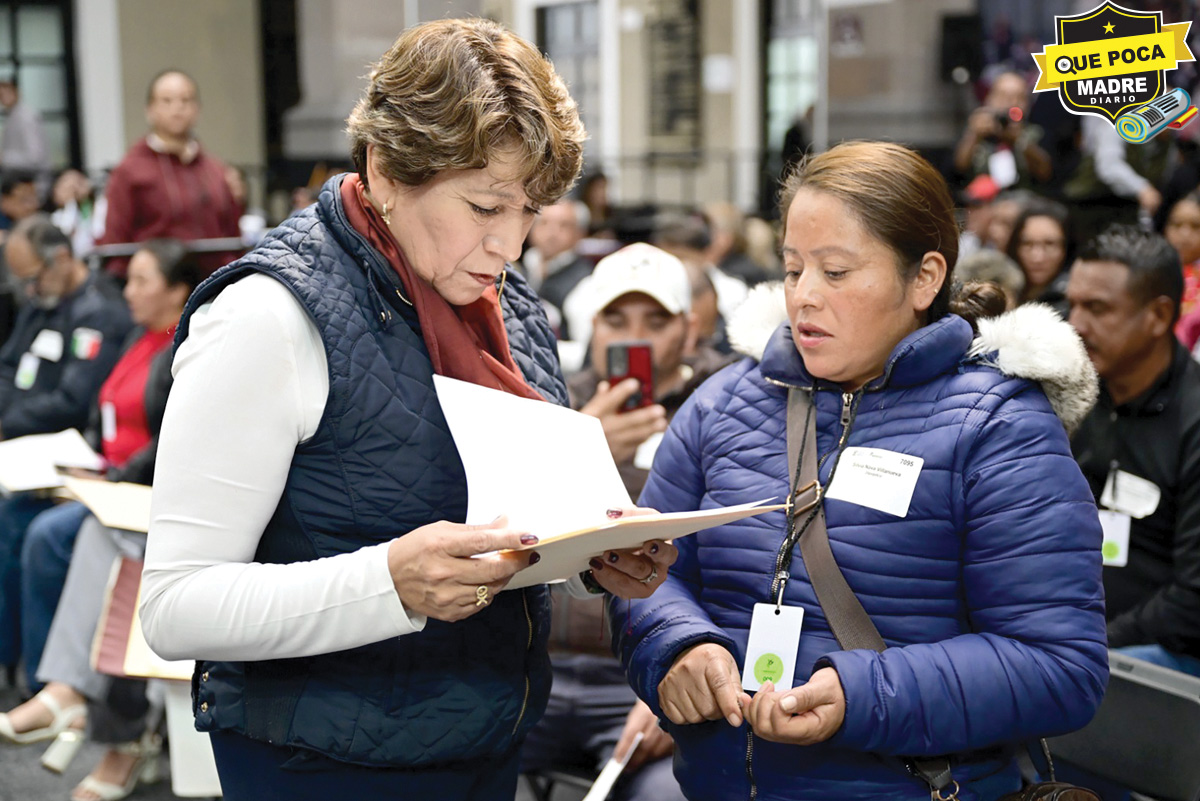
86 342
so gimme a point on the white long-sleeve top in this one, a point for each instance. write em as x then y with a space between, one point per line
251 381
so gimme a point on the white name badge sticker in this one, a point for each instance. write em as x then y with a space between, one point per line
1115 549
1133 495
48 345
1002 166
643 459
27 370
876 479
771 649
108 422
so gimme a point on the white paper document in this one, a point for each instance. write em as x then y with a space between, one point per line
565 555
116 504
30 463
547 467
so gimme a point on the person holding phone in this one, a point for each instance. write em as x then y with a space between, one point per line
644 365
307 541
952 504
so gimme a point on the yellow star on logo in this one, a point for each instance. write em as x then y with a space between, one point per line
1108 28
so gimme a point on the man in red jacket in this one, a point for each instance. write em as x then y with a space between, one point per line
167 186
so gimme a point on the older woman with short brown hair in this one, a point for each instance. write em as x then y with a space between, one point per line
307 544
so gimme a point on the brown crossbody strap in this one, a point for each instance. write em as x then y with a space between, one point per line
850 623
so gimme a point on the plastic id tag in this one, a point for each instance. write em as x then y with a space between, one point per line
27 370
1116 538
771 650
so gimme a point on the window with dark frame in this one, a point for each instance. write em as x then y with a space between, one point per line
569 34
36 47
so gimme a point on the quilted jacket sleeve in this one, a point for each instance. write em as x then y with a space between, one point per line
1036 662
649 634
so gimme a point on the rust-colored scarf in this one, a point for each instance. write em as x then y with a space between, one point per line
464 342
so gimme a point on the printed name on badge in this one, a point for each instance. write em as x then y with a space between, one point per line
1133 495
48 345
877 479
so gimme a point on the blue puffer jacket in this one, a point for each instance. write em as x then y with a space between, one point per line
382 463
988 593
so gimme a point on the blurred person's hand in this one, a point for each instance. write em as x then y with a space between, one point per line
625 431
1149 199
655 743
437 575
982 123
803 715
703 684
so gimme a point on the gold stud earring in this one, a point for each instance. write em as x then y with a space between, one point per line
387 216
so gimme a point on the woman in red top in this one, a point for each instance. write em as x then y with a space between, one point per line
161 277
1183 232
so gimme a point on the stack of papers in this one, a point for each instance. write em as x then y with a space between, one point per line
120 648
116 504
31 463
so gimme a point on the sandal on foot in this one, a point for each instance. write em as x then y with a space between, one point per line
146 769
63 719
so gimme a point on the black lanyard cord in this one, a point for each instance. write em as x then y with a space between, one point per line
794 533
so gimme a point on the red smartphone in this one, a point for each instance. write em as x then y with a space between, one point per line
632 360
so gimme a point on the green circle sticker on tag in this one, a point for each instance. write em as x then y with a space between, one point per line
1110 550
769 667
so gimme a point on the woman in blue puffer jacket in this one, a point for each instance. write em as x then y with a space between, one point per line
975 552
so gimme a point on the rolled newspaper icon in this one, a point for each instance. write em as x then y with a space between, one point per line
1148 119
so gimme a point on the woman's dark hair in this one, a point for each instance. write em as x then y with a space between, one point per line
175 262
1041 207
975 300
898 196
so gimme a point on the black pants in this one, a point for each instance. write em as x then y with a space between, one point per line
255 771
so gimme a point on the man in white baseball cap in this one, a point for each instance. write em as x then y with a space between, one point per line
640 293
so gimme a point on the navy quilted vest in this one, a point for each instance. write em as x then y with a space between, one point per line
381 464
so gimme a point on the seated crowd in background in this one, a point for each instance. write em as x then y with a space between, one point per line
75 354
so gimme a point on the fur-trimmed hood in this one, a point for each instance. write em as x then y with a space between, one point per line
1030 342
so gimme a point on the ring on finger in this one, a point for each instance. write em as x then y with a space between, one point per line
481 595
653 575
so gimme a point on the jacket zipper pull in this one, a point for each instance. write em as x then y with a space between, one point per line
847 402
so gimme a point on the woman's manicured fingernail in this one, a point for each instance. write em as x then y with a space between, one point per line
529 539
654 548
596 564
534 558
613 514
613 556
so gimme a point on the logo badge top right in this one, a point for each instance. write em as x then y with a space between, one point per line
1112 62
